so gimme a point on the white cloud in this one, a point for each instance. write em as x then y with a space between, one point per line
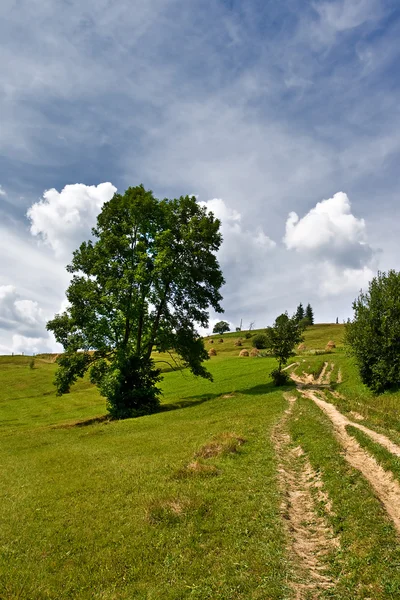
329 230
341 15
20 344
19 314
335 281
63 220
2 191
239 243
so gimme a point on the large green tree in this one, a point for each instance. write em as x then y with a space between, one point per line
373 337
144 282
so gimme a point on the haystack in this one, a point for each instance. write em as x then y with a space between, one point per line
254 352
302 347
220 340
238 343
244 352
211 341
212 352
330 345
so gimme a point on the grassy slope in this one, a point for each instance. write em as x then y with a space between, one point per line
109 510
105 511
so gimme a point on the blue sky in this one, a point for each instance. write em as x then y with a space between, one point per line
268 107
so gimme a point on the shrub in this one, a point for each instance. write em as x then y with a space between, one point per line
373 337
32 363
260 341
279 377
248 335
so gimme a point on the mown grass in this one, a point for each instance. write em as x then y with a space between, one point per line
366 566
103 511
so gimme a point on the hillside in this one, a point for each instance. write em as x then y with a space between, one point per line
234 490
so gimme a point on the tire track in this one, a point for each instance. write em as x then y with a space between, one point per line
310 536
386 487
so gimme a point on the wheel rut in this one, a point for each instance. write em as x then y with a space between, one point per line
310 536
386 487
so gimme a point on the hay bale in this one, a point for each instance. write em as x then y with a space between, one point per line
238 343
330 345
302 347
221 341
244 352
211 341
212 352
254 352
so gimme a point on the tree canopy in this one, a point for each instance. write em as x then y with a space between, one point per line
373 336
282 337
309 314
221 327
300 312
144 282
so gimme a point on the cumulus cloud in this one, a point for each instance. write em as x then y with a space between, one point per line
330 231
239 244
335 281
63 220
20 344
18 314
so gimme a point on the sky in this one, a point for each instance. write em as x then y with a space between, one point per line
282 117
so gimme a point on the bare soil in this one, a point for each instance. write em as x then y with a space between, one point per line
384 484
310 536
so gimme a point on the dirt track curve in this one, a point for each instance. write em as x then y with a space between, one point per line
386 487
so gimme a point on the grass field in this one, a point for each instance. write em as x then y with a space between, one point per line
200 500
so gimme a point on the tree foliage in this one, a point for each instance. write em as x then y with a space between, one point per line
221 327
282 337
144 282
309 314
260 341
300 312
373 337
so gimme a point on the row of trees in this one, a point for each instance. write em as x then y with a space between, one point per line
305 315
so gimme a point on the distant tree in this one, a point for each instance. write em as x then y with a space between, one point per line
282 338
337 320
309 314
300 312
148 277
373 337
221 327
304 323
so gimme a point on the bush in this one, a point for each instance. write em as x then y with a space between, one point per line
260 341
373 337
279 377
248 335
32 363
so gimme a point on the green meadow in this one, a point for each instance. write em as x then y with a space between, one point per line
185 503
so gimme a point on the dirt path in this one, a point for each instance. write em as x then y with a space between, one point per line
310 536
385 485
